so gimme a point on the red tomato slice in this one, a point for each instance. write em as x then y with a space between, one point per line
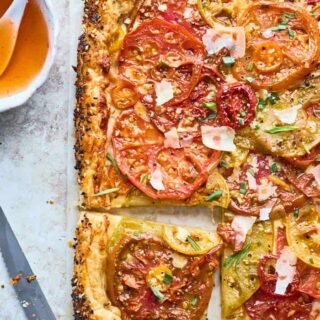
268 277
304 161
304 182
310 280
262 306
158 50
139 151
193 111
236 105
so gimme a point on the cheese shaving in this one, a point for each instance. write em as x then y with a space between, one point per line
156 180
242 225
164 92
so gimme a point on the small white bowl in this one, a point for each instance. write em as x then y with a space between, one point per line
21 97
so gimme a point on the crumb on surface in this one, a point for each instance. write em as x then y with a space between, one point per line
31 278
15 280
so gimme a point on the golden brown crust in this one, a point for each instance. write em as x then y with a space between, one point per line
100 22
90 301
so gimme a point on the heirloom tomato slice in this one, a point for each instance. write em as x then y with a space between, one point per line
260 183
262 306
303 234
161 51
140 152
146 284
190 242
309 280
236 105
283 45
304 161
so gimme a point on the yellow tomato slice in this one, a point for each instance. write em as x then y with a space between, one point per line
190 241
303 234
124 96
160 278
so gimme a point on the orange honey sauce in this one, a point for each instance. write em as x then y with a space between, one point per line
30 52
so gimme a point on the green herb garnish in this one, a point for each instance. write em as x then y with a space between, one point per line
250 66
144 177
114 164
248 78
157 293
273 98
224 164
243 187
194 301
167 279
282 129
311 260
228 61
296 212
274 168
279 28
193 243
241 121
262 103
235 258
210 105
318 158
107 191
214 196
209 117
163 66
291 33
251 172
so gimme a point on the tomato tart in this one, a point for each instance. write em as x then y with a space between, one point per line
202 103
132 269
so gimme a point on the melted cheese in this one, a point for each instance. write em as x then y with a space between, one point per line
232 38
156 180
172 139
218 138
164 92
242 225
286 269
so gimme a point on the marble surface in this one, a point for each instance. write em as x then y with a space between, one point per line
33 181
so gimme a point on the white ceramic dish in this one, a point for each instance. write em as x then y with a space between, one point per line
21 97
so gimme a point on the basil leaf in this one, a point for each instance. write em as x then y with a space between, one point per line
107 191
193 244
281 129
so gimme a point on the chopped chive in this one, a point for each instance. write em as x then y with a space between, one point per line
248 78
281 129
274 168
243 187
251 172
236 257
114 164
257 127
144 177
259 243
296 212
318 158
107 191
210 105
284 20
291 33
157 293
250 66
167 278
262 104
243 113
241 121
163 66
194 301
193 243
311 260
214 196
224 164
278 28
228 61
289 15
136 233
273 98
209 117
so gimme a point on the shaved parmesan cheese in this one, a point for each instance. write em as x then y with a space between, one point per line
186 141
188 13
316 172
266 191
288 115
252 183
286 270
178 260
162 7
242 225
315 312
172 139
218 138
232 38
268 34
156 180
164 92
265 214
